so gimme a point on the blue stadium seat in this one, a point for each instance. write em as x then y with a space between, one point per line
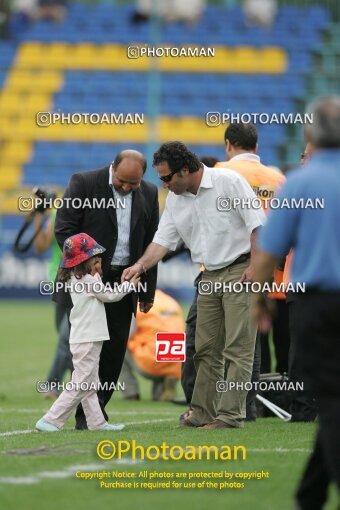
298 30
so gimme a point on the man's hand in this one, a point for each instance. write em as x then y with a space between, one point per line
248 275
131 271
263 311
145 307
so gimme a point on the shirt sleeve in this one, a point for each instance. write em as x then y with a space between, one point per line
105 293
167 234
248 206
279 233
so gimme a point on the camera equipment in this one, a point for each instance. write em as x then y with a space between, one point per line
46 198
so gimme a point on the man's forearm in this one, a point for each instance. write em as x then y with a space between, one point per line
253 237
264 267
152 255
44 238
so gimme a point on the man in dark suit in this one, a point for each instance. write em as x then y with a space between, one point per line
125 232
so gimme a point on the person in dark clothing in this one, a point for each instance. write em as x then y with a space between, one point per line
311 232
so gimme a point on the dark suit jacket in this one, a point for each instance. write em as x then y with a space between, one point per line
101 223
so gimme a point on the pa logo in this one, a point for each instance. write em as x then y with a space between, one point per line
170 347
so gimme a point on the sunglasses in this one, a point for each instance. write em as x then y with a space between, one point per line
167 178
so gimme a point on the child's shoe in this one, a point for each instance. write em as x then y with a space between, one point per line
43 426
120 426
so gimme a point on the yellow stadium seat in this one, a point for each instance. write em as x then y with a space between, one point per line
13 152
45 81
10 176
8 204
30 56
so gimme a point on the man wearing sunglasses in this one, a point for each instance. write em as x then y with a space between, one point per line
200 210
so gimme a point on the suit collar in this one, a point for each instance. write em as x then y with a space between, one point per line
106 192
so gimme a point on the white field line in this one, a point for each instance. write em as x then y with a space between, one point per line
54 475
28 431
114 413
149 421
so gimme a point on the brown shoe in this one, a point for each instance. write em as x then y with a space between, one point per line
217 424
184 419
187 423
184 416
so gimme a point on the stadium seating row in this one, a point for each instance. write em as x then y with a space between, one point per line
81 65
241 59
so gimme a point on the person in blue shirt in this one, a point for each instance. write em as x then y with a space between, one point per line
314 234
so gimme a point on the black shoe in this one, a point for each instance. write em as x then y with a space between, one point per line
133 397
81 425
302 419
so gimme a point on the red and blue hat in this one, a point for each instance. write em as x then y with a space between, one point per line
79 248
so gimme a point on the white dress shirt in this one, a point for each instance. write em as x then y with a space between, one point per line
88 316
121 256
215 238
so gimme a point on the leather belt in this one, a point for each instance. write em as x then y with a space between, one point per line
240 259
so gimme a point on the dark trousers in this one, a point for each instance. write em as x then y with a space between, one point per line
302 405
281 340
318 345
188 376
118 317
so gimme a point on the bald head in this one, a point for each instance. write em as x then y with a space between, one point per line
128 169
324 131
132 156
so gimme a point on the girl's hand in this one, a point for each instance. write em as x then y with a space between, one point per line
96 266
135 279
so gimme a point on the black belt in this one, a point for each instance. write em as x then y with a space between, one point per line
239 260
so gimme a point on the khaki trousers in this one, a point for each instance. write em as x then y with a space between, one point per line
225 343
86 366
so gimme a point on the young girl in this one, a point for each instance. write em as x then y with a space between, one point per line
80 270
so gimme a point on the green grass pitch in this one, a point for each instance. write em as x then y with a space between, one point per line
37 469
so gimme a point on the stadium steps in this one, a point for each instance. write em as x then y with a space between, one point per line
53 66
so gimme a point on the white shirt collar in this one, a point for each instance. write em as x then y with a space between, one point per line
206 181
110 176
246 156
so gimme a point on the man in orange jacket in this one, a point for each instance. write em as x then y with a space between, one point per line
165 316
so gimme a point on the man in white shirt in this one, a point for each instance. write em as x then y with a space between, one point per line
199 210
